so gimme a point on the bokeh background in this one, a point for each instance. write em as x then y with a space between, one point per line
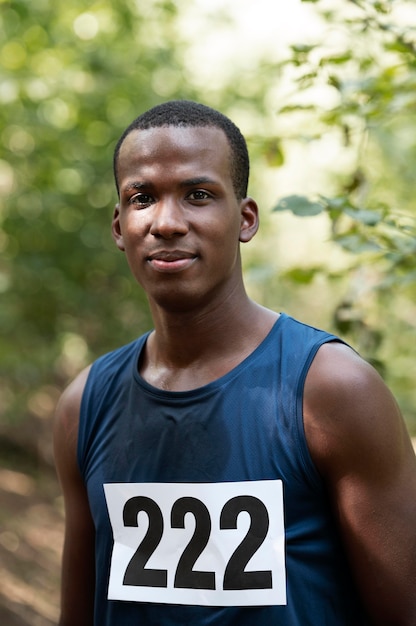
324 91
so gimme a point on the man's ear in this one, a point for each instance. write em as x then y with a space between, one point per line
116 230
249 219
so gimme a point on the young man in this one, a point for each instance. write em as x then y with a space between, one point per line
233 466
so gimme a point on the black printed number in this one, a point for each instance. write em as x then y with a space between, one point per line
136 573
185 576
235 576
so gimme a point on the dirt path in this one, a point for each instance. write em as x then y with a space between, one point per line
31 529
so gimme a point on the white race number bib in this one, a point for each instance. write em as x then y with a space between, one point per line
209 544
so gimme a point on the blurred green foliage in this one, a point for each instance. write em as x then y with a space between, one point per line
368 76
74 74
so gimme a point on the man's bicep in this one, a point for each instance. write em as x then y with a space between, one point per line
377 519
66 423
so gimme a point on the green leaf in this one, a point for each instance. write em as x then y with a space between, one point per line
338 59
289 108
299 205
273 152
365 216
337 203
302 275
302 48
357 244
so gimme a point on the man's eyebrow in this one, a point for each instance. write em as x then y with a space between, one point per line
198 180
188 182
136 186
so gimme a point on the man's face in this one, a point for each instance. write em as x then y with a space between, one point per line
178 219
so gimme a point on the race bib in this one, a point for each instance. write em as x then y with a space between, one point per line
205 544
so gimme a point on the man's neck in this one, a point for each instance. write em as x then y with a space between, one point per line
191 349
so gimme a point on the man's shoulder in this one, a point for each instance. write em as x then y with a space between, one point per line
339 378
301 340
67 412
337 366
348 409
69 403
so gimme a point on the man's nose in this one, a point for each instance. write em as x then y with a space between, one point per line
169 219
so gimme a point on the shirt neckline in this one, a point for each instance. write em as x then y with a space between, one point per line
214 384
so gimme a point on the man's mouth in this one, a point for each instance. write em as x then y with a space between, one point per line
171 260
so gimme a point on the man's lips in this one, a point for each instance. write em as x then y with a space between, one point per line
171 260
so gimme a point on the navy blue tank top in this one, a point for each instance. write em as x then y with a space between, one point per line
246 426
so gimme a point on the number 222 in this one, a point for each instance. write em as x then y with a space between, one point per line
235 576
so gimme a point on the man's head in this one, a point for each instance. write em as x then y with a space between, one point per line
185 113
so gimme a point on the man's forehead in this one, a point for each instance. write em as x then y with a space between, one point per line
187 135
184 151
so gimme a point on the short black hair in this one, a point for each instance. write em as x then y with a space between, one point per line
186 113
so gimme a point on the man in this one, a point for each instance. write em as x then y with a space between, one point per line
233 466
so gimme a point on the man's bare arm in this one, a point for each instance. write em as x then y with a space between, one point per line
78 569
360 445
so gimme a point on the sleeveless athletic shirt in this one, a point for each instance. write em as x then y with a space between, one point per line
207 506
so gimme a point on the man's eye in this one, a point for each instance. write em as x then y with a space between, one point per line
141 198
199 195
